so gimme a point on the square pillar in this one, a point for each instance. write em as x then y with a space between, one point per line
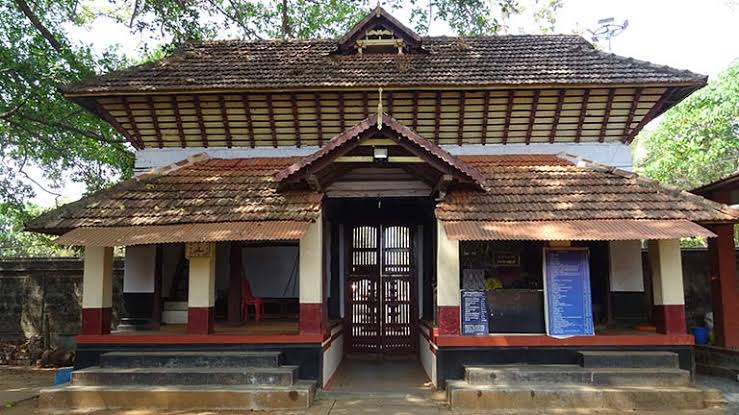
447 282
724 289
97 290
667 286
310 277
201 287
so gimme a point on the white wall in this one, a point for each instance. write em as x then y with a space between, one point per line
332 356
625 261
139 267
427 356
612 154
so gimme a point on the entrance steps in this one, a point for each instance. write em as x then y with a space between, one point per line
184 381
622 381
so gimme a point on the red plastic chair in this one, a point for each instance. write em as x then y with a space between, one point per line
247 299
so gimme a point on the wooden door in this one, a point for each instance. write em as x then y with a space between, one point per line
380 289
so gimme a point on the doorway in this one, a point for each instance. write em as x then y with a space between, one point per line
381 303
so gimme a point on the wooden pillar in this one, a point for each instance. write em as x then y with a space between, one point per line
667 286
97 290
724 289
234 285
201 288
310 274
447 283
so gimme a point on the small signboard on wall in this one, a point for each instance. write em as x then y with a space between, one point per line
567 301
474 313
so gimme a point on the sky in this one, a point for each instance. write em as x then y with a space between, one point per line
699 35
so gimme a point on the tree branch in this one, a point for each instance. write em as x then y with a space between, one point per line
7 114
50 38
72 129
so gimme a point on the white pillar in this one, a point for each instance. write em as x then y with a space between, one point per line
447 282
201 287
667 286
310 274
97 290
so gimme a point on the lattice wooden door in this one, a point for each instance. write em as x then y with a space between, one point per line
381 291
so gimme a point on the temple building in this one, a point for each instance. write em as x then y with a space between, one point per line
467 201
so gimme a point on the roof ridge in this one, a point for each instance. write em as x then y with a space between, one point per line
667 188
169 168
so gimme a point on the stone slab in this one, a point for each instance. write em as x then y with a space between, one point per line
628 359
512 374
97 376
190 359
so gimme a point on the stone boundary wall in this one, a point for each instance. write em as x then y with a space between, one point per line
38 293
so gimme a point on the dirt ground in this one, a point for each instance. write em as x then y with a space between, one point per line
18 384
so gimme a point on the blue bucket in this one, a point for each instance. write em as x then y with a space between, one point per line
700 334
63 375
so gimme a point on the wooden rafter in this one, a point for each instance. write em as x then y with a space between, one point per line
649 115
342 119
201 122
460 126
319 113
296 119
532 115
389 95
485 117
226 125
437 117
271 116
583 113
247 114
132 121
557 112
414 111
606 115
154 120
178 120
632 110
508 111
365 104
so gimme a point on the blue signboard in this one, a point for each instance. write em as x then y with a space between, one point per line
567 299
474 313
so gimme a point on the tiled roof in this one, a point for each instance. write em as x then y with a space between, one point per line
551 188
207 191
474 61
517 188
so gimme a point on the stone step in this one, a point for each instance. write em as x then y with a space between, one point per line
189 398
717 356
719 371
101 376
571 374
463 396
632 359
225 359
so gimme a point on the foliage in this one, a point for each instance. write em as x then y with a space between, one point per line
14 242
697 141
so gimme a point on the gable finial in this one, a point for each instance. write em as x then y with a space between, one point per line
379 109
378 7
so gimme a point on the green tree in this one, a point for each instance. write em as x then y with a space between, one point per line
697 141
14 242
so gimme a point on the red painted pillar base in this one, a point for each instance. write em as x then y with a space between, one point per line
96 320
200 320
724 286
311 318
670 319
447 319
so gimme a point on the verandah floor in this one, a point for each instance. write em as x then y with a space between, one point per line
264 327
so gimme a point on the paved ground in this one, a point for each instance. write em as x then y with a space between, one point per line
397 392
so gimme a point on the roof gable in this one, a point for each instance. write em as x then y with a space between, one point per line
379 19
381 125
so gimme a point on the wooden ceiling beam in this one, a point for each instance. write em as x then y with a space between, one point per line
557 112
319 123
632 110
414 111
485 117
389 95
132 121
460 121
649 115
201 123
509 110
271 116
437 117
583 112
178 120
342 120
606 115
296 120
365 104
532 115
154 120
245 101
226 125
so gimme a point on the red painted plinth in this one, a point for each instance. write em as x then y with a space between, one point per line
724 288
670 319
311 318
96 320
447 319
200 320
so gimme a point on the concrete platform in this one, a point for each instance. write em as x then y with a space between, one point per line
190 359
244 398
576 375
461 395
100 376
630 359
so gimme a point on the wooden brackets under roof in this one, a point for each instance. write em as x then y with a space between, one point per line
379 18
